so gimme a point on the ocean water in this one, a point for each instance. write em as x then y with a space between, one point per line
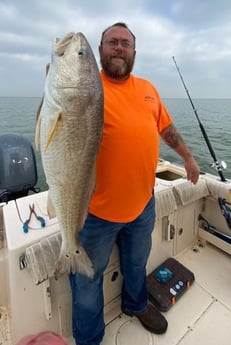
17 115
215 116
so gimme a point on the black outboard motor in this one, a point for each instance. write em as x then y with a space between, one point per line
18 171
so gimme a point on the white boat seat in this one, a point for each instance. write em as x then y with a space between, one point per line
219 189
186 192
165 202
42 256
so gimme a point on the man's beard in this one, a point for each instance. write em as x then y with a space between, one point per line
115 71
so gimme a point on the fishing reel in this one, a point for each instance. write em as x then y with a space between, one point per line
218 166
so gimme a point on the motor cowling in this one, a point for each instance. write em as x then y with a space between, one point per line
18 171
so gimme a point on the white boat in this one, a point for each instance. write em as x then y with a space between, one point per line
190 227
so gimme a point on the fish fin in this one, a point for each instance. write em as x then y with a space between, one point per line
39 109
75 262
53 129
37 131
50 207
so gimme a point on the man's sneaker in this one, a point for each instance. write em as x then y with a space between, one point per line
151 319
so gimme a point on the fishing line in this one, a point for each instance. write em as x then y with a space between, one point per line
216 164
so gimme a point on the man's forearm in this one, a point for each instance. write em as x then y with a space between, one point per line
173 139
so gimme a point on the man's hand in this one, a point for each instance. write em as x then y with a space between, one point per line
192 169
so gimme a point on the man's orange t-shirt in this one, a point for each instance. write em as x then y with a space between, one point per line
125 169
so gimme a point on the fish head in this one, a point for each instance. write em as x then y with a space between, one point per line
73 88
73 80
72 62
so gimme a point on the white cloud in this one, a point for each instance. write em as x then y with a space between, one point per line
196 32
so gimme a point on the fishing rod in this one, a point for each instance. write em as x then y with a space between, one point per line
216 164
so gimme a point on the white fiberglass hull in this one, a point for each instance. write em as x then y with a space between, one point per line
28 307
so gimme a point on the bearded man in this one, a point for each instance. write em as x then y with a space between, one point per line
122 208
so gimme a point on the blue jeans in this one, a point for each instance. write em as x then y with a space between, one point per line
98 237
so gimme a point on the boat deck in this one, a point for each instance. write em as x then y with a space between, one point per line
201 316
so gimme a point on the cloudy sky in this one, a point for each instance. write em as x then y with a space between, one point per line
196 32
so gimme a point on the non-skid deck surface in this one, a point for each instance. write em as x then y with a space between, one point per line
201 316
4 327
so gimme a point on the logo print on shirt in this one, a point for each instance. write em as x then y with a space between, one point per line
149 99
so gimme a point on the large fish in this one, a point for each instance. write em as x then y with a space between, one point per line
69 129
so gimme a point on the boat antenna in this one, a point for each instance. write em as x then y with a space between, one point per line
216 164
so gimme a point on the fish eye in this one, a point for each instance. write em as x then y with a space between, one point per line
81 53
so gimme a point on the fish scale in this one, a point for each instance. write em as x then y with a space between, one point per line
69 130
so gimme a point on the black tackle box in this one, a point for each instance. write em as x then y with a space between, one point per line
167 283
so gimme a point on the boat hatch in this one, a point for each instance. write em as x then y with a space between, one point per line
168 175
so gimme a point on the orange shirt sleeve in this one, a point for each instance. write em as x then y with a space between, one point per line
125 171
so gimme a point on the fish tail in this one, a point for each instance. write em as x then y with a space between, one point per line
74 262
